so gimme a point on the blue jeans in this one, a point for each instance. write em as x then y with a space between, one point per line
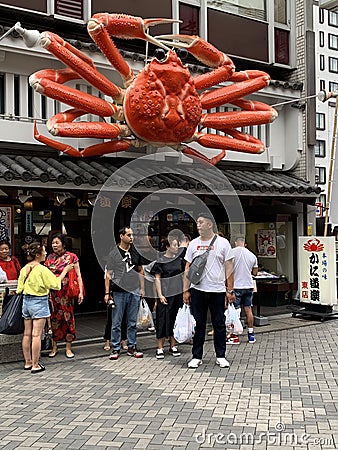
129 302
200 302
243 297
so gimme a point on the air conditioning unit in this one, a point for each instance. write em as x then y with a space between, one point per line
331 5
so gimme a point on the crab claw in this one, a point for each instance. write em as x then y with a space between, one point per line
127 27
201 49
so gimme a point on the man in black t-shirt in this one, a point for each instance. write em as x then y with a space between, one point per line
124 281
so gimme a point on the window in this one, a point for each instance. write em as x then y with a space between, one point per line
282 46
333 41
320 148
280 11
190 19
320 175
320 121
322 199
321 62
333 19
321 15
333 64
16 95
322 85
333 86
321 39
69 8
256 9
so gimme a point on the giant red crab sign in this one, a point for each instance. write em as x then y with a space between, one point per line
161 105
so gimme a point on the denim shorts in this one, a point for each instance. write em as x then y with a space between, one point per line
35 307
243 297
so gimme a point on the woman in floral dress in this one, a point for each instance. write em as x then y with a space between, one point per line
62 314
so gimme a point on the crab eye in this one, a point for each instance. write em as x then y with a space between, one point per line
182 53
160 54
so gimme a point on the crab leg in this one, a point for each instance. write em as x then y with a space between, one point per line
207 54
233 92
42 82
103 25
94 150
61 125
241 143
195 154
76 60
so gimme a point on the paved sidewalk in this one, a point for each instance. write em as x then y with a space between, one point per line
281 392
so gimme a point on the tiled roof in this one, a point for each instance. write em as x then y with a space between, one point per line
89 174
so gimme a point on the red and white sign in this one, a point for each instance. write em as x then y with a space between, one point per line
319 209
317 270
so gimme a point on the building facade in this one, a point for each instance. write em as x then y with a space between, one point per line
46 191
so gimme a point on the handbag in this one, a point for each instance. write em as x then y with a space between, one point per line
197 265
46 338
11 321
73 289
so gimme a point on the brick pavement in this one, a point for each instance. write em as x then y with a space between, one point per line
278 393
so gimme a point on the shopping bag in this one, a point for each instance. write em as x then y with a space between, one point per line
185 324
144 317
232 320
73 289
11 321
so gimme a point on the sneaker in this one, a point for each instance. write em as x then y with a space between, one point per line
114 355
194 363
222 362
233 339
174 351
132 351
251 338
151 329
159 353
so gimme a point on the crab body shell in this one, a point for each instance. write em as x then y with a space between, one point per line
162 105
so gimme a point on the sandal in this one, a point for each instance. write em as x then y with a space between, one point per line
106 347
27 368
40 369
53 353
70 355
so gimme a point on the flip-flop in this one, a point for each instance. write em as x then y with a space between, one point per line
52 354
41 369
27 368
70 355
106 347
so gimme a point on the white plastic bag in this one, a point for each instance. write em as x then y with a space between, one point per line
185 324
144 317
232 320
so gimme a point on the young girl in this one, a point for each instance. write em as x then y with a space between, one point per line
35 281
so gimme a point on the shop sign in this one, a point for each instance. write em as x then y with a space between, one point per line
317 270
6 222
29 221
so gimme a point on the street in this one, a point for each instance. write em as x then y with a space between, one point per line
280 392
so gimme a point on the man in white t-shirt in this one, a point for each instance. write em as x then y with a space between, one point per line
211 292
245 265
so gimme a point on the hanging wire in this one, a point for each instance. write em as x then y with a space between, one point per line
294 101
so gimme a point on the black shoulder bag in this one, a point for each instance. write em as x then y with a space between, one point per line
197 265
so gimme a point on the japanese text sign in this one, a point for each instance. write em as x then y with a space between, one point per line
317 270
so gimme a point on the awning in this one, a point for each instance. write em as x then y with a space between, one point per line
64 173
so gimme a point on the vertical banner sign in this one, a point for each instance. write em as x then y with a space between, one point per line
317 270
6 222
